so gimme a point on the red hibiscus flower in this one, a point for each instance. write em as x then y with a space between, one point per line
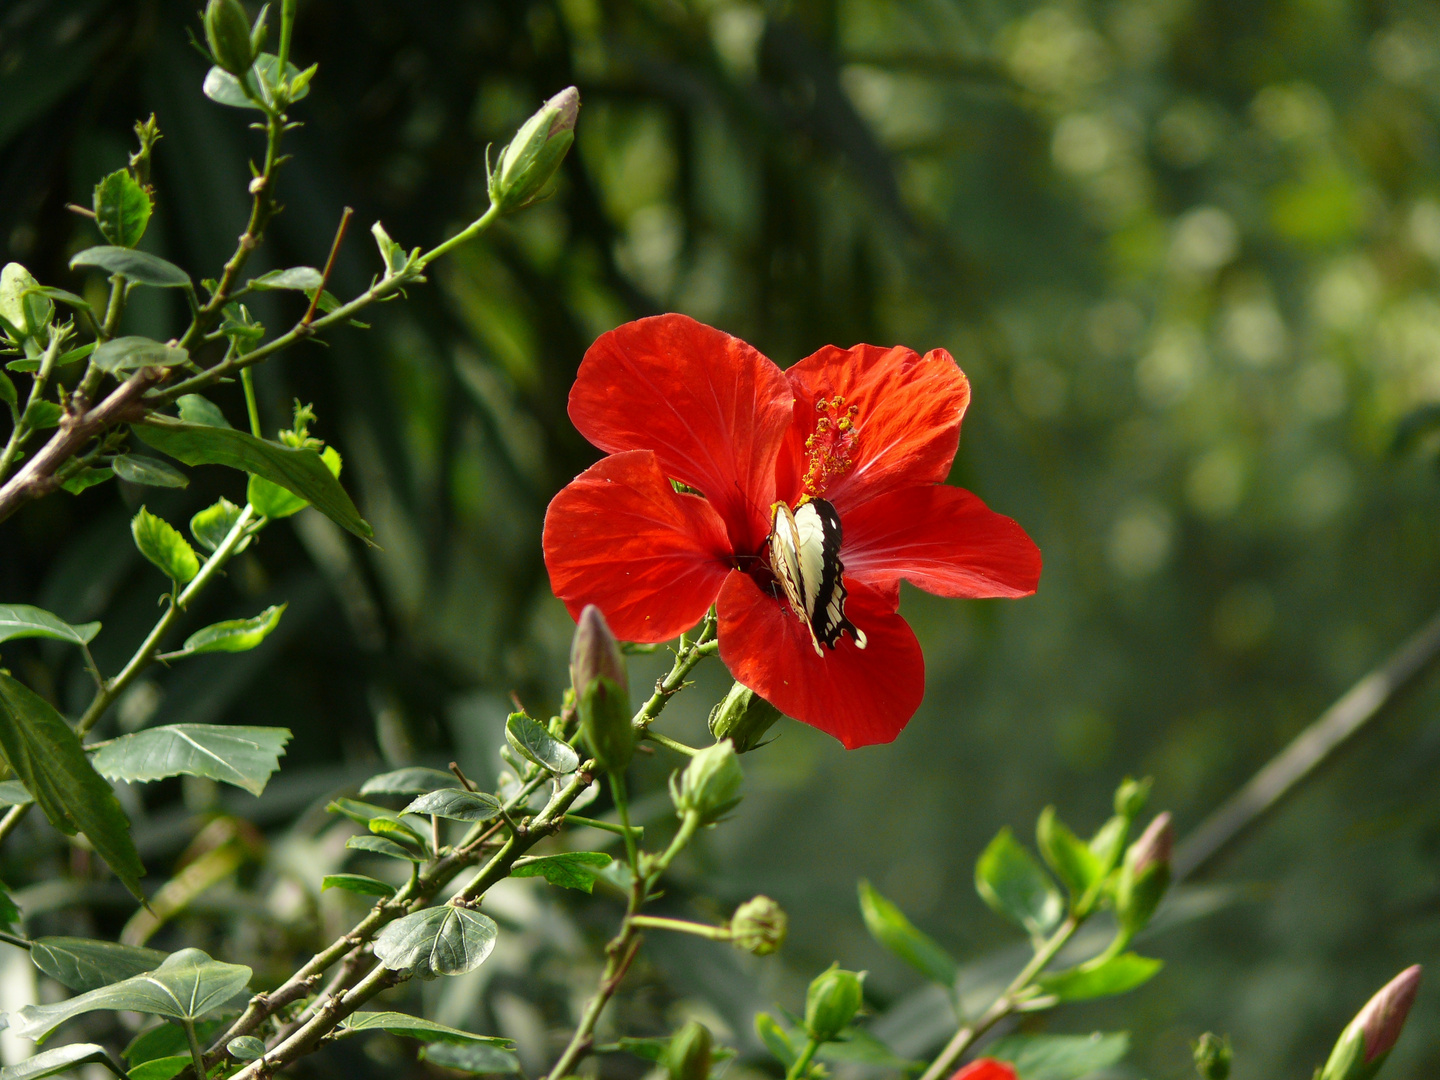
869 431
985 1069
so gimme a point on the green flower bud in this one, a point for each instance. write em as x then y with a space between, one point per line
743 718
759 926
1145 875
602 691
1368 1039
1130 796
689 1056
227 32
526 165
832 1002
1212 1056
710 785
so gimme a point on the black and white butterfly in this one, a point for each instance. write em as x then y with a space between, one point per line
805 557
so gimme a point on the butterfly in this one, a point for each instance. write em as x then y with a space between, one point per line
805 557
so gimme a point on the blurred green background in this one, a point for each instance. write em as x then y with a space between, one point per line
1186 250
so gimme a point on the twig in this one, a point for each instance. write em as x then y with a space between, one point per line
329 265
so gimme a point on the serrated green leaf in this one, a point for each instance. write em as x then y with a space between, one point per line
243 756
45 753
1060 1057
130 353
195 409
571 869
296 277
211 525
356 883
457 804
478 1058
300 471
889 926
445 940
187 985
380 846
532 741
24 621
139 267
86 479
775 1039
1070 857
122 208
411 781
83 964
417 1027
152 472
159 542
1118 975
234 635
1014 885
62 1059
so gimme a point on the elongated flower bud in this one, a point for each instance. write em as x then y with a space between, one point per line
710 785
834 997
1212 1056
602 691
690 1054
759 926
1145 875
227 32
1130 797
1368 1039
526 165
743 718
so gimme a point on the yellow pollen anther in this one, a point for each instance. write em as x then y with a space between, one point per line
830 450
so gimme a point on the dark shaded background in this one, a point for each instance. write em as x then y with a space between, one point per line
1186 251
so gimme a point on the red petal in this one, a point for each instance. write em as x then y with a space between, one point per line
908 421
860 696
712 408
985 1069
620 537
943 539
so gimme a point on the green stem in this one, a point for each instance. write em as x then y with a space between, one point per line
197 1056
247 380
287 30
603 826
686 657
474 229
622 807
673 744
683 926
802 1063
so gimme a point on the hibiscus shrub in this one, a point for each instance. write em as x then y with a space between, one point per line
760 516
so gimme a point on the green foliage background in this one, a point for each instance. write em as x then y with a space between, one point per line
1186 251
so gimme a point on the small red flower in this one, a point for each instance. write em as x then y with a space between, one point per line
985 1069
873 431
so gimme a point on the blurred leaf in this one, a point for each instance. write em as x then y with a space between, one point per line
571 869
380 846
362 813
47 756
445 940
889 926
416 1027
457 804
298 470
159 542
167 1039
140 267
129 353
296 277
195 409
224 89
86 478
858 1047
43 414
243 756
7 390
163 1068
655 1049
9 913
152 472
65 296
1118 975
60 1060
83 964
234 635
477 1058
24 621
1060 1057
122 208
211 525
246 1048
356 883
13 793
775 1039
532 741
1010 880
411 781
1071 858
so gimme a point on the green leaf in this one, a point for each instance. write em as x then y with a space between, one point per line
1010 880
43 414
362 813
82 964
224 89
532 741
445 940
195 409
272 500
74 355
399 833
356 883
775 1039
60 1060
457 804
9 913
122 208
159 542
211 525
380 846
129 353
13 793
296 277
47 756
1118 975
417 1027
246 1048
1060 1057
1070 857
139 267
479 1058
889 926
187 985
85 479
152 472
243 756
652 1049
234 635
164 1068
167 1039
65 296
24 621
298 470
857 1047
412 781
7 390
572 869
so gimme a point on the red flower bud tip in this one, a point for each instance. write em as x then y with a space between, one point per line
567 102
1155 844
986 1069
1383 1016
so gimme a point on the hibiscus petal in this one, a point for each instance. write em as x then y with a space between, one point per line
860 696
909 409
943 539
712 408
620 537
986 1069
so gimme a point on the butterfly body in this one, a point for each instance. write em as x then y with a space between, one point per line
805 558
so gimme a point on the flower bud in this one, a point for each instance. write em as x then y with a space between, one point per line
986 1069
1369 1038
602 691
526 165
759 926
832 1001
1145 875
710 785
743 718
1130 797
1212 1056
689 1055
227 32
